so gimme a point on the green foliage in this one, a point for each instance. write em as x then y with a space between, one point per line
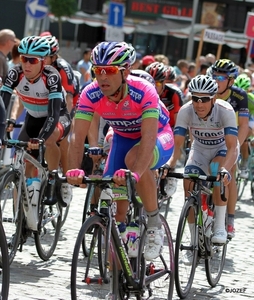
61 8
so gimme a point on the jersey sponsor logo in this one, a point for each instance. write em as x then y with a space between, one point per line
210 142
135 94
124 123
94 94
26 88
13 74
209 134
238 96
52 80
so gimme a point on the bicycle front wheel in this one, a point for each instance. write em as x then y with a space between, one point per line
46 238
4 268
11 212
186 249
214 264
89 273
159 273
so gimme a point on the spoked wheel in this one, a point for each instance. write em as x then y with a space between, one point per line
49 226
86 213
159 273
215 263
89 274
163 204
240 184
12 213
4 266
186 249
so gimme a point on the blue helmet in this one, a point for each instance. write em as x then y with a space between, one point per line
34 45
113 54
143 74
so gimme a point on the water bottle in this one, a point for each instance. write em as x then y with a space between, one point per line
133 236
31 211
51 198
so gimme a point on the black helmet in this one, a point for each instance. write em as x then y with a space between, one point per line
157 71
225 66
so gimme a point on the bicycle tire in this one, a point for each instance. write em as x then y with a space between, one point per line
5 267
160 287
83 267
49 227
87 238
240 184
184 276
12 227
64 210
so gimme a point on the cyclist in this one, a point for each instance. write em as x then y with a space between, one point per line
71 86
143 139
39 88
213 127
224 71
243 81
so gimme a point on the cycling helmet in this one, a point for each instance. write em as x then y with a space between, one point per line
113 53
203 84
143 74
243 82
170 73
34 45
157 71
209 72
53 43
225 66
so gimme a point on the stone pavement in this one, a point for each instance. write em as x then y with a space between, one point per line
32 278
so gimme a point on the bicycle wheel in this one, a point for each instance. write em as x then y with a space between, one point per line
49 226
158 275
86 242
87 272
64 210
4 266
12 216
163 204
240 184
185 252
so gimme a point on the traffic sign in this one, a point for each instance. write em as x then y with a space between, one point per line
114 34
249 25
115 17
37 9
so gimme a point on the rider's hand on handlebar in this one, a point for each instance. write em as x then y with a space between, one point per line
166 169
75 177
225 176
10 125
119 176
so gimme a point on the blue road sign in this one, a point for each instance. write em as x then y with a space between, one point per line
36 9
115 17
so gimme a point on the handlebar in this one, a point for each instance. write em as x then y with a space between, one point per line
196 177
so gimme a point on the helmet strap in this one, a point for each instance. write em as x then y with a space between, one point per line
227 87
117 92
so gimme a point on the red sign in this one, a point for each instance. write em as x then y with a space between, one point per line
162 8
249 25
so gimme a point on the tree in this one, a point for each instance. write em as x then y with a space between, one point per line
62 8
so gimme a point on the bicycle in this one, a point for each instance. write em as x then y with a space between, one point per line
21 217
241 182
190 252
130 276
4 266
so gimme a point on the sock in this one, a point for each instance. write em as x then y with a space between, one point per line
220 212
244 163
231 219
153 219
192 232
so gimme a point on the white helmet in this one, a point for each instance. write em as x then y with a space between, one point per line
203 84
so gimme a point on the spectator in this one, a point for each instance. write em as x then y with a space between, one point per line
46 33
15 59
181 69
203 68
192 70
7 41
146 61
162 58
84 67
210 58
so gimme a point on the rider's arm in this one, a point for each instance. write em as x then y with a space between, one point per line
178 143
17 109
69 102
232 151
94 131
2 118
243 128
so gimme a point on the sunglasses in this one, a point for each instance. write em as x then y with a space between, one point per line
158 83
110 70
202 99
220 77
31 60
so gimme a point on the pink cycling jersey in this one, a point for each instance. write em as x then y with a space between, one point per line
125 117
